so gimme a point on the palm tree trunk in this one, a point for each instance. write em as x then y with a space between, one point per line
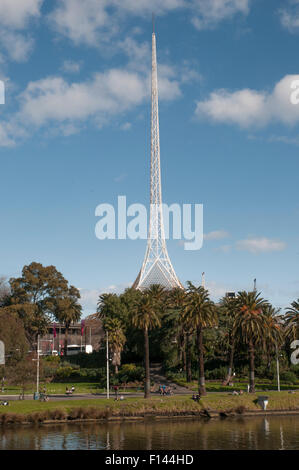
188 359
251 368
183 351
201 370
147 385
230 364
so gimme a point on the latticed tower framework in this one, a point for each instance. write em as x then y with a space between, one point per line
156 267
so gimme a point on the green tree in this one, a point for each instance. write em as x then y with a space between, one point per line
34 296
274 333
117 339
176 328
67 310
4 292
250 326
12 333
199 313
227 313
110 306
292 321
145 317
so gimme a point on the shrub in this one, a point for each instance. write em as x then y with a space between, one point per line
131 373
63 372
215 374
289 377
52 359
295 370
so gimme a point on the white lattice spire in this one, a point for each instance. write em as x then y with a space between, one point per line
156 268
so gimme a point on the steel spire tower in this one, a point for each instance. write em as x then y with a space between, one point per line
156 267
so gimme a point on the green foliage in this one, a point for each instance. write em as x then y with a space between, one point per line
63 372
93 360
131 373
218 373
40 294
12 333
289 377
295 370
74 372
52 359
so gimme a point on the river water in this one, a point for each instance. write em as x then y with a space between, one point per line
268 433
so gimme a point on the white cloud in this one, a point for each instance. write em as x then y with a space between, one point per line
126 126
208 13
216 235
284 139
216 289
5 140
95 22
67 105
70 66
15 14
250 107
14 17
81 21
18 46
90 297
107 93
144 7
260 245
289 16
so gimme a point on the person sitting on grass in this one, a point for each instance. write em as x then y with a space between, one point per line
196 397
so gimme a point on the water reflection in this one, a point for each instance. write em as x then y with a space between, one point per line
241 433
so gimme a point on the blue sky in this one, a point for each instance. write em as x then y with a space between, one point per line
74 133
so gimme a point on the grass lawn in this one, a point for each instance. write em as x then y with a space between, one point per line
58 388
157 405
55 388
214 386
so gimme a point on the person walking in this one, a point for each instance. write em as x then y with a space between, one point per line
116 391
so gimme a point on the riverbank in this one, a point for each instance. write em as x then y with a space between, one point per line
210 406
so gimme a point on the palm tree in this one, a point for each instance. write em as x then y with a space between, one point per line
67 310
177 299
199 313
110 306
228 306
292 320
146 317
274 332
249 326
273 338
117 340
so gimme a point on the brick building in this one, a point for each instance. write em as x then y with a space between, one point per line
92 334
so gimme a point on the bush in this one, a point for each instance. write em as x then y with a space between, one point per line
215 374
63 372
97 359
52 359
295 370
289 377
131 373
